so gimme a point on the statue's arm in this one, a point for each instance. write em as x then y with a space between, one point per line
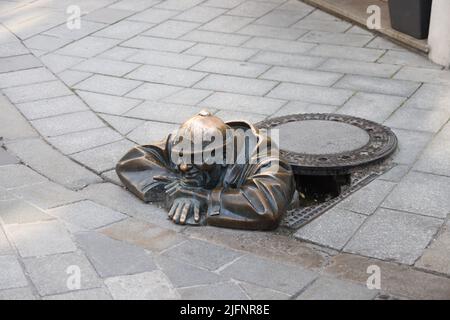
259 203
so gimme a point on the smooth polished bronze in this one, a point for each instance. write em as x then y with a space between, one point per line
250 194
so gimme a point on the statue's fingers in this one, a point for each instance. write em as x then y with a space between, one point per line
185 212
177 214
197 212
173 191
170 185
173 209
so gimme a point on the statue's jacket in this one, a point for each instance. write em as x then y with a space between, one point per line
252 195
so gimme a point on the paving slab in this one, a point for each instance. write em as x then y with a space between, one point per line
170 76
14 176
227 115
221 51
229 39
22 62
344 39
410 145
6 158
87 47
24 77
418 119
333 289
106 103
235 68
287 60
256 292
278 45
87 214
58 63
221 291
13 124
200 14
430 97
424 75
122 125
17 294
394 236
88 294
108 85
105 66
51 107
146 235
123 30
171 29
5 247
154 43
188 96
37 91
296 107
19 211
360 67
152 285
114 258
227 24
252 9
164 59
164 112
318 78
72 77
12 275
286 278
40 239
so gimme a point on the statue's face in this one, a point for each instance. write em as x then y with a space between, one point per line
200 175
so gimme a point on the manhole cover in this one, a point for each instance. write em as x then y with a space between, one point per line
330 143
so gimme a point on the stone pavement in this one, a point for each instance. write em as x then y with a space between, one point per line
74 101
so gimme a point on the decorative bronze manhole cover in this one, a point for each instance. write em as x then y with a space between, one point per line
332 156
331 143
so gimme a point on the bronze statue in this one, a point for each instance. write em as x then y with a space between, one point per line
223 181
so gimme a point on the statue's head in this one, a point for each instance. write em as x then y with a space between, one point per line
200 144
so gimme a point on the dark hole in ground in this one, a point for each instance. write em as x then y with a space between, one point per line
315 189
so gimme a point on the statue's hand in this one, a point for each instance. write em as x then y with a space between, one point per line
175 189
184 208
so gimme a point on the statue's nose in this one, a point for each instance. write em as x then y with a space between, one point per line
185 167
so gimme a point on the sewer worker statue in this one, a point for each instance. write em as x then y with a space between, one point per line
234 178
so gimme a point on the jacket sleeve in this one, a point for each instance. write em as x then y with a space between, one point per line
259 203
140 165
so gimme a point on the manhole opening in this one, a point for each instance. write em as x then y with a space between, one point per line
316 189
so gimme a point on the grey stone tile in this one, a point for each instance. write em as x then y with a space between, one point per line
37 91
180 5
281 18
105 157
284 278
12 49
312 94
369 198
235 84
111 257
153 91
118 53
378 85
260 293
171 29
46 195
239 102
153 15
359 67
45 42
79 141
200 14
72 77
63 32
295 107
51 274
151 131
418 119
17 294
14 176
319 78
145 235
396 174
5 247
430 97
67 123
326 288
158 111
111 176
234 68
87 214
188 96
164 75
107 15
190 276
344 39
407 58
435 157
88 294
410 145
51 107
222 291
164 59
421 193
359 54
424 75
153 43
47 161
322 25
106 103
23 77
58 63
332 229
436 256
12 275
230 39
134 5
394 235
88 47
382 43
5 195
202 254
105 66
22 62
222 52
12 124
108 85
6 158
252 9
227 115
296 6
40 239
227 24
121 124
278 45
19 211
287 60
223 4
371 106
272 32
152 285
